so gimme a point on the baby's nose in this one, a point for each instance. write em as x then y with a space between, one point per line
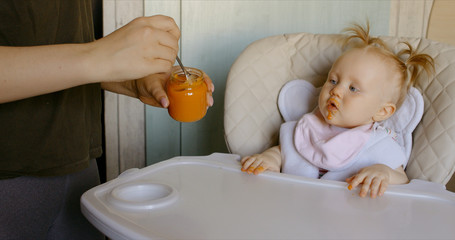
336 91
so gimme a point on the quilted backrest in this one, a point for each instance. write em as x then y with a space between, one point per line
252 118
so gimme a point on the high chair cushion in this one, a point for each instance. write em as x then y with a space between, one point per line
252 118
298 97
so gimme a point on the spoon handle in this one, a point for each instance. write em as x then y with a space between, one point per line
183 68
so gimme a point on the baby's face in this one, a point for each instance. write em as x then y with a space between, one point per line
358 85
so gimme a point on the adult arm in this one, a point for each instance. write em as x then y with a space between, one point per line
145 46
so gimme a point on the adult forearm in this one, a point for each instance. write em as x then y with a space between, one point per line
145 46
32 71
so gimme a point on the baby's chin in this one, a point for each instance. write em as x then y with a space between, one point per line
341 124
336 121
335 118
330 117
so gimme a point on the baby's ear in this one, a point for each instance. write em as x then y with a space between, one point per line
386 111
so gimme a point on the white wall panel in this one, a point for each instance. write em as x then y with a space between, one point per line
124 116
214 32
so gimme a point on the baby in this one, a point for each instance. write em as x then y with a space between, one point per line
342 138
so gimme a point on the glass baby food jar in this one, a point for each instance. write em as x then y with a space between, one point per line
187 98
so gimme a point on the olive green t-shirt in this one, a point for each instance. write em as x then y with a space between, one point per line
57 133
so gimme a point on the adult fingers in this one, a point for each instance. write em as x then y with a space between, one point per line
150 101
156 88
151 90
209 99
210 89
165 39
161 53
163 22
157 66
208 81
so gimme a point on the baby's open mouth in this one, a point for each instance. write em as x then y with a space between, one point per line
332 104
332 107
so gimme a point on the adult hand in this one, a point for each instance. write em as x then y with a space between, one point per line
151 89
144 46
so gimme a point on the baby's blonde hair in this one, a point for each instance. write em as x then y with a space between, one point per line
409 68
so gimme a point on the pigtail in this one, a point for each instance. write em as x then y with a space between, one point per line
356 31
415 63
359 37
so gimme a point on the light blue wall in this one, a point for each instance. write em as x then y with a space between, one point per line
215 32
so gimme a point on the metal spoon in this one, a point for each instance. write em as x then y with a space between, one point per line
187 74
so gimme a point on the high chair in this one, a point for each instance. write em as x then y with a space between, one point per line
209 197
252 118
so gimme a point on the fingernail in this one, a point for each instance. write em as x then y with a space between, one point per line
164 102
350 187
211 102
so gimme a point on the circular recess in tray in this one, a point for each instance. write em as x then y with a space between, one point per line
142 196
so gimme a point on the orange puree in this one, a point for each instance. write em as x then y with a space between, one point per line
330 115
187 99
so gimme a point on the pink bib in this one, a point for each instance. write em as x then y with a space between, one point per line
327 146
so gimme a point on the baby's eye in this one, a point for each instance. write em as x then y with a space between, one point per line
333 81
353 89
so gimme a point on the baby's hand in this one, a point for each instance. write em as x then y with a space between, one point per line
258 163
374 178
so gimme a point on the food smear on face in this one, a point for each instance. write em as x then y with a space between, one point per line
332 108
330 115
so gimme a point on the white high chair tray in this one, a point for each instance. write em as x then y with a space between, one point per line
210 198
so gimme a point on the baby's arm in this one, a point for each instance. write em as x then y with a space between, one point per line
270 160
376 178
